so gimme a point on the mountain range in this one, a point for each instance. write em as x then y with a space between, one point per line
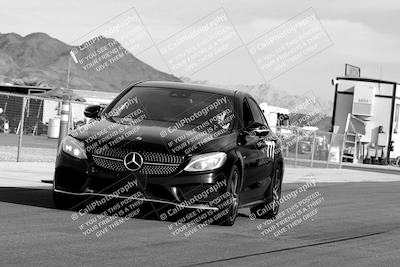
40 60
277 97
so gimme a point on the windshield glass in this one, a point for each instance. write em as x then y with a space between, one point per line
177 107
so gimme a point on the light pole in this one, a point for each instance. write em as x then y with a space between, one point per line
65 110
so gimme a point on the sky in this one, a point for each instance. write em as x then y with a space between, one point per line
362 33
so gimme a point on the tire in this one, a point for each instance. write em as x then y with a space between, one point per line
232 187
273 195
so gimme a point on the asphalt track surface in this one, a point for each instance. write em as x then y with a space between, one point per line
357 224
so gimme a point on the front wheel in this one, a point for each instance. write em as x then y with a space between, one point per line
231 210
270 208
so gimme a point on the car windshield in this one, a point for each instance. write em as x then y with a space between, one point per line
180 108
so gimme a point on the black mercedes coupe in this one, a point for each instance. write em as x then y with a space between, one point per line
175 146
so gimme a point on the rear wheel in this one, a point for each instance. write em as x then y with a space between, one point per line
270 208
231 210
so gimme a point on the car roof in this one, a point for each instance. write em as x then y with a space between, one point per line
187 86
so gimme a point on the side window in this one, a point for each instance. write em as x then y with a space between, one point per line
247 117
257 113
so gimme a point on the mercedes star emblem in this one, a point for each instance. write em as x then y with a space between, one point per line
133 161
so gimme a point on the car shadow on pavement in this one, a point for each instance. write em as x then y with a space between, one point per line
27 196
43 198
37 197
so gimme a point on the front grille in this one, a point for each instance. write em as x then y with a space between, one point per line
158 169
109 164
154 163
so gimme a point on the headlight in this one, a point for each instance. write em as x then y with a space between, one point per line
73 147
206 162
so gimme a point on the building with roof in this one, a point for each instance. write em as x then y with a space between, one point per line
367 111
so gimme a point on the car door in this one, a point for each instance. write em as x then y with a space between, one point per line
254 159
266 144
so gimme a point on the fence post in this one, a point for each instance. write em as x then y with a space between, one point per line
21 128
329 148
297 148
313 149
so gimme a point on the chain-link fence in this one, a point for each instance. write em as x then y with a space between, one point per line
29 126
310 148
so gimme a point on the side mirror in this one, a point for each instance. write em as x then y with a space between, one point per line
257 129
260 132
92 112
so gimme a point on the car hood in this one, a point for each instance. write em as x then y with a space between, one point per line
151 135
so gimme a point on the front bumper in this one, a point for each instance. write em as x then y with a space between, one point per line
146 200
84 178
